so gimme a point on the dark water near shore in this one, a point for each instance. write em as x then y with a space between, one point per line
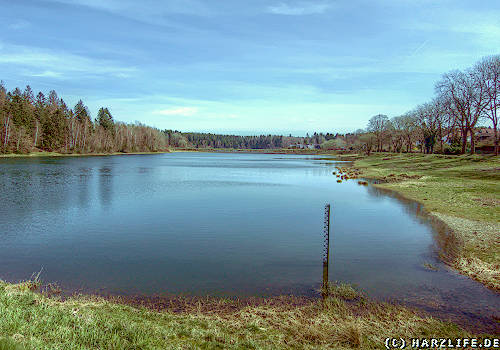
224 224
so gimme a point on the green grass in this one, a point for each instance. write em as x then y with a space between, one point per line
461 191
345 320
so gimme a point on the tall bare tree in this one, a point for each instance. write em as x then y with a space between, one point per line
467 93
398 133
378 126
489 71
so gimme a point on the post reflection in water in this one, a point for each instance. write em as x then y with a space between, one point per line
106 184
84 183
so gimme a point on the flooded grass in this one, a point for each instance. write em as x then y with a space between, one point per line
345 320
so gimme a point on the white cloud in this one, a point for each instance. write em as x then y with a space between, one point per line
184 111
54 64
48 74
299 9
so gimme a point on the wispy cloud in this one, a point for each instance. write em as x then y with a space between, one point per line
55 64
18 25
239 64
299 9
183 111
487 34
482 26
47 74
146 11
420 47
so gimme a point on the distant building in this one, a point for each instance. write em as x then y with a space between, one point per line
485 140
482 134
485 135
304 146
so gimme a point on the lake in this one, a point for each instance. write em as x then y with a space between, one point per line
219 224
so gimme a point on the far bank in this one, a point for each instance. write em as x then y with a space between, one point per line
57 154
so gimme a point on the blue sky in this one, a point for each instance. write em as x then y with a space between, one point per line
245 67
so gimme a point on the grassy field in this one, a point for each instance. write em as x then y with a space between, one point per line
31 320
461 191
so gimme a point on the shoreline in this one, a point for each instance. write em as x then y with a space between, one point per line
170 150
394 178
255 150
345 320
57 154
473 250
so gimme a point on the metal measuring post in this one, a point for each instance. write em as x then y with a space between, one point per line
326 250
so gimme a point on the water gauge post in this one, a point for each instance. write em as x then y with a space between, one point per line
326 250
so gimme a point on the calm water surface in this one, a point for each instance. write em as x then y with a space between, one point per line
201 223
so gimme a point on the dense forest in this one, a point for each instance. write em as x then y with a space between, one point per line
232 141
450 123
31 123
207 140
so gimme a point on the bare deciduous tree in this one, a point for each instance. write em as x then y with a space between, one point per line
467 93
489 70
378 125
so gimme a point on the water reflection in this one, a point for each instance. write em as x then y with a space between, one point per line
144 170
106 184
233 224
84 180
447 242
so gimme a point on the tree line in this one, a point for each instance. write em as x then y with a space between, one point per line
448 123
208 140
463 101
46 123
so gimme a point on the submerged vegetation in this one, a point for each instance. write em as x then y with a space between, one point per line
346 320
461 191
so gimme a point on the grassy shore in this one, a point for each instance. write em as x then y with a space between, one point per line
461 191
31 320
